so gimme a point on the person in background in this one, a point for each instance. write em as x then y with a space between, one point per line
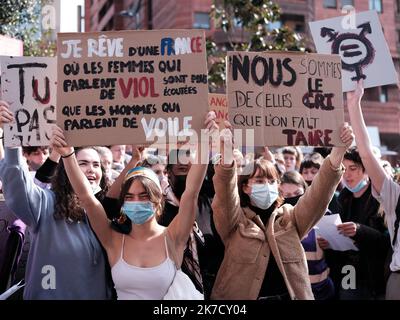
264 258
120 158
61 236
364 224
310 165
385 190
292 187
44 175
106 158
309 168
293 157
156 164
35 156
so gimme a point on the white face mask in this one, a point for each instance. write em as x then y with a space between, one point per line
263 195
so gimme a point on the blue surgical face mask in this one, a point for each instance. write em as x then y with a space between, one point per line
358 187
138 211
263 195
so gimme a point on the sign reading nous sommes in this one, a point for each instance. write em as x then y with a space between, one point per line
287 98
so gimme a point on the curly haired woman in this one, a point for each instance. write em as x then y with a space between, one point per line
66 261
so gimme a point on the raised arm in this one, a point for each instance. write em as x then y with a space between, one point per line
313 204
371 164
94 210
182 224
226 202
115 188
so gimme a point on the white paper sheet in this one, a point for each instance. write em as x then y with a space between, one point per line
11 290
327 229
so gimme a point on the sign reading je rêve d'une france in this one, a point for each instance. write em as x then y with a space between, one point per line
125 87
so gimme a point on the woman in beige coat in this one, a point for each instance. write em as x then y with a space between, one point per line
264 258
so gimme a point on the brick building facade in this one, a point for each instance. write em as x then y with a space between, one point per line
381 105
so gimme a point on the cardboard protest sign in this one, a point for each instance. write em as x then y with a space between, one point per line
360 42
218 103
287 98
125 87
11 47
28 84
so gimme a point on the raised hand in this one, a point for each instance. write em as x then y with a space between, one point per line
210 123
227 144
346 135
137 153
356 95
57 141
6 116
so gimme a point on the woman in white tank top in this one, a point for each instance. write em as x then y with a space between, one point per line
144 261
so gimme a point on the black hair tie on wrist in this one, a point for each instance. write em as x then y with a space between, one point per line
68 155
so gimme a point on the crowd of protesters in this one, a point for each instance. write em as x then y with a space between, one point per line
117 222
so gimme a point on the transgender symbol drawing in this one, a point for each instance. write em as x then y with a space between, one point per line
355 49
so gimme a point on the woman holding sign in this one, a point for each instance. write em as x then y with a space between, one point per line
264 258
66 260
385 190
146 261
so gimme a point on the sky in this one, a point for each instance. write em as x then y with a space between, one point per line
69 20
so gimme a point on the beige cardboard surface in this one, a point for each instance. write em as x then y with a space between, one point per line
287 98
11 47
125 87
29 86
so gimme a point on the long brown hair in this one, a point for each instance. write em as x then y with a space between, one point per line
267 169
66 204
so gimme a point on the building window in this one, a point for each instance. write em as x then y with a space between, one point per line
201 20
347 3
299 27
274 25
398 6
376 5
383 95
330 4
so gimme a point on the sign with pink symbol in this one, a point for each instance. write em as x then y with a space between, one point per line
361 44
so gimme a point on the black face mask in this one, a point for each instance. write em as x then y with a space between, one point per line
178 185
207 188
292 200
